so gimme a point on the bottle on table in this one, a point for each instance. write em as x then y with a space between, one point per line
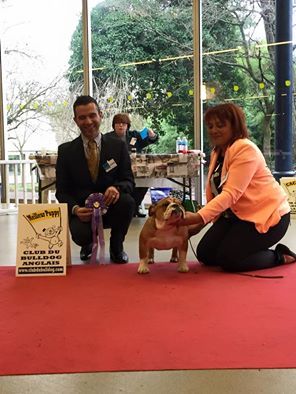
179 146
185 145
133 153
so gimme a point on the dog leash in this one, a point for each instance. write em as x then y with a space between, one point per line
244 273
260 276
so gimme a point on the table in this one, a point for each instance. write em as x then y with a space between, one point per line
177 168
148 169
45 167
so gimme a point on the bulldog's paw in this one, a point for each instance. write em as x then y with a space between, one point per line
143 269
183 267
174 259
151 261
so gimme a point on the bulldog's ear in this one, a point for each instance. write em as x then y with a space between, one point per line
152 209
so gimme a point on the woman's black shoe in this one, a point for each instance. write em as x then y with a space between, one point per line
282 251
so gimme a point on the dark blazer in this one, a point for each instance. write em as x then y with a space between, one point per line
140 143
73 179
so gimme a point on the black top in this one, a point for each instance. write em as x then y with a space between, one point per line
216 176
217 187
134 140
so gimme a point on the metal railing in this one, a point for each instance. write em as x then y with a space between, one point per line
19 184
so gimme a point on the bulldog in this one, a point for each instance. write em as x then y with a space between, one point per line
162 232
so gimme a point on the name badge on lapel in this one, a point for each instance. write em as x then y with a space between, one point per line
109 165
133 141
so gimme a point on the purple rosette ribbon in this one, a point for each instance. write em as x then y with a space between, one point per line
96 202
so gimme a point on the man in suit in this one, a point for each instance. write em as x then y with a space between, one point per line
135 141
77 178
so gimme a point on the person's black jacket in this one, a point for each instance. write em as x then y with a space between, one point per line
140 143
73 179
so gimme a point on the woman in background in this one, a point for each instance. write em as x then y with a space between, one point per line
135 140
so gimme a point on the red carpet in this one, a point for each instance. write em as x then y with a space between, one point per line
109 318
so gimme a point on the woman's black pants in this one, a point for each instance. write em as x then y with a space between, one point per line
236 246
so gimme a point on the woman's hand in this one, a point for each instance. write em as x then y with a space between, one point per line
151 133
191 218
194 229
194 222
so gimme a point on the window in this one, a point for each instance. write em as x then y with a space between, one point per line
36 39
239 64
142 61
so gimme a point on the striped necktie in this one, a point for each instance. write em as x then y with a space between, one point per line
93 159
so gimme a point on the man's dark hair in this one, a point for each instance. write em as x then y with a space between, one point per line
84 100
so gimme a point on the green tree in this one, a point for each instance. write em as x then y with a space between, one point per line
133 40
248 63
131 44
143 50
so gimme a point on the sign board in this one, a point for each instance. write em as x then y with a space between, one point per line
289 185
43 245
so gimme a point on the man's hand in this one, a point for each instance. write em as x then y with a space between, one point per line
83 213
111 195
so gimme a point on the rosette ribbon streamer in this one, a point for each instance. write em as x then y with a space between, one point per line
96 202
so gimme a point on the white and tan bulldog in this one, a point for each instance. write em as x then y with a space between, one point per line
162 232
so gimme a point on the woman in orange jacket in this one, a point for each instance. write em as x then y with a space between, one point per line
248 208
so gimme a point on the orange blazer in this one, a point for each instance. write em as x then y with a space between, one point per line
248 188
